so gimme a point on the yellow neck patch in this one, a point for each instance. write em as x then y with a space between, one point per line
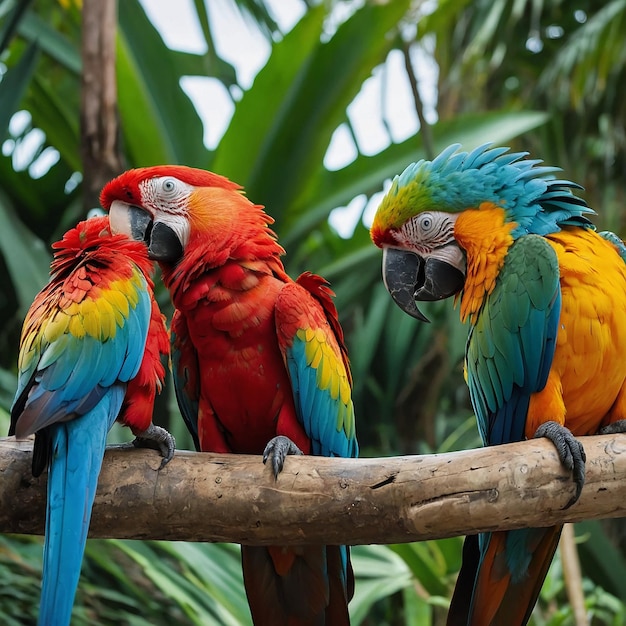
486 237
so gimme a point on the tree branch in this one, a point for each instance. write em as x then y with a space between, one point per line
211 497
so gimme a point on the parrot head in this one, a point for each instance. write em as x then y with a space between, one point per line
168 207
416 222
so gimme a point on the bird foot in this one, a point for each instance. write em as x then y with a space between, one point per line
158 439
614 428
278 448
570 450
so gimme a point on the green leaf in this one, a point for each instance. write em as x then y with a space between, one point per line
600 556
378 573
259 114
11 23
294 107
330 189
51 41
427 563
26 256
159 122
42 202
14 84
417 610
189 591
218 568
58 119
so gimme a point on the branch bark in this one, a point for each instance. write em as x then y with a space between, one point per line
211 497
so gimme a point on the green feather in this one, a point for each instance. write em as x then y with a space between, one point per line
510 347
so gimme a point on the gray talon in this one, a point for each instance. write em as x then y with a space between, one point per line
570 450
158 439
278 448
614 428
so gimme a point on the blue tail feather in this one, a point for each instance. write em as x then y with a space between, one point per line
77 453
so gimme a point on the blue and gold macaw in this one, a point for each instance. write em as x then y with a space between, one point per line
544 295
90 353
257 356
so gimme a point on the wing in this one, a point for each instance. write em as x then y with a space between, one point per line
138 406
79 338
510 348
185 373
311 342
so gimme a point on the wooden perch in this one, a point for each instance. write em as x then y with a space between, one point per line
210 497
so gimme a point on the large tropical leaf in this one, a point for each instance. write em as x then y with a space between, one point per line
159 122
14 84
282 127
329 189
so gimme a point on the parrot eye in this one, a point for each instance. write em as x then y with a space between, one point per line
169 185
425 221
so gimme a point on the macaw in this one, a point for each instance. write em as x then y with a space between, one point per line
90 352
260 365
544 295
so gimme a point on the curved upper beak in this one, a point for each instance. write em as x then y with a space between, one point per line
163 243
408 277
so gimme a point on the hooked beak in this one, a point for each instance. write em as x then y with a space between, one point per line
408 277
163 243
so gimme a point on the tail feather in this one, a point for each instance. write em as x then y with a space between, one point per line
501 587
298 586
77 452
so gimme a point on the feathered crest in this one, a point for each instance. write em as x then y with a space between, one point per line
454 181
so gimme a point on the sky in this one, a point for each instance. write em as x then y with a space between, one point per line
382 112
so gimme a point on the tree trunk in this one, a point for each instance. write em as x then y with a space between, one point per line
99 119
225 497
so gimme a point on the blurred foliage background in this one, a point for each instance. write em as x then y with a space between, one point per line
546 77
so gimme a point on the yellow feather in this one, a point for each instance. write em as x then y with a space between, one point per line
334 385
119 302
320 336
91 318
108 319
344 390
55 327
589 370
76 327
324 373
317 355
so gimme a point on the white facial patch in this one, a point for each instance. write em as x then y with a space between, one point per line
167 198
427 232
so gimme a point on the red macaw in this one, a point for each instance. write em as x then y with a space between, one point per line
90 352
260 364
545 297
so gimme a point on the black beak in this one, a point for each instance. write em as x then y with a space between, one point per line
408 277
163 243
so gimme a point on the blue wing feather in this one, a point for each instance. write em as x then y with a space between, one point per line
327 418
185 375
71 372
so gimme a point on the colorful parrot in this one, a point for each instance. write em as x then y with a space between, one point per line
90 352
259 359
545 298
